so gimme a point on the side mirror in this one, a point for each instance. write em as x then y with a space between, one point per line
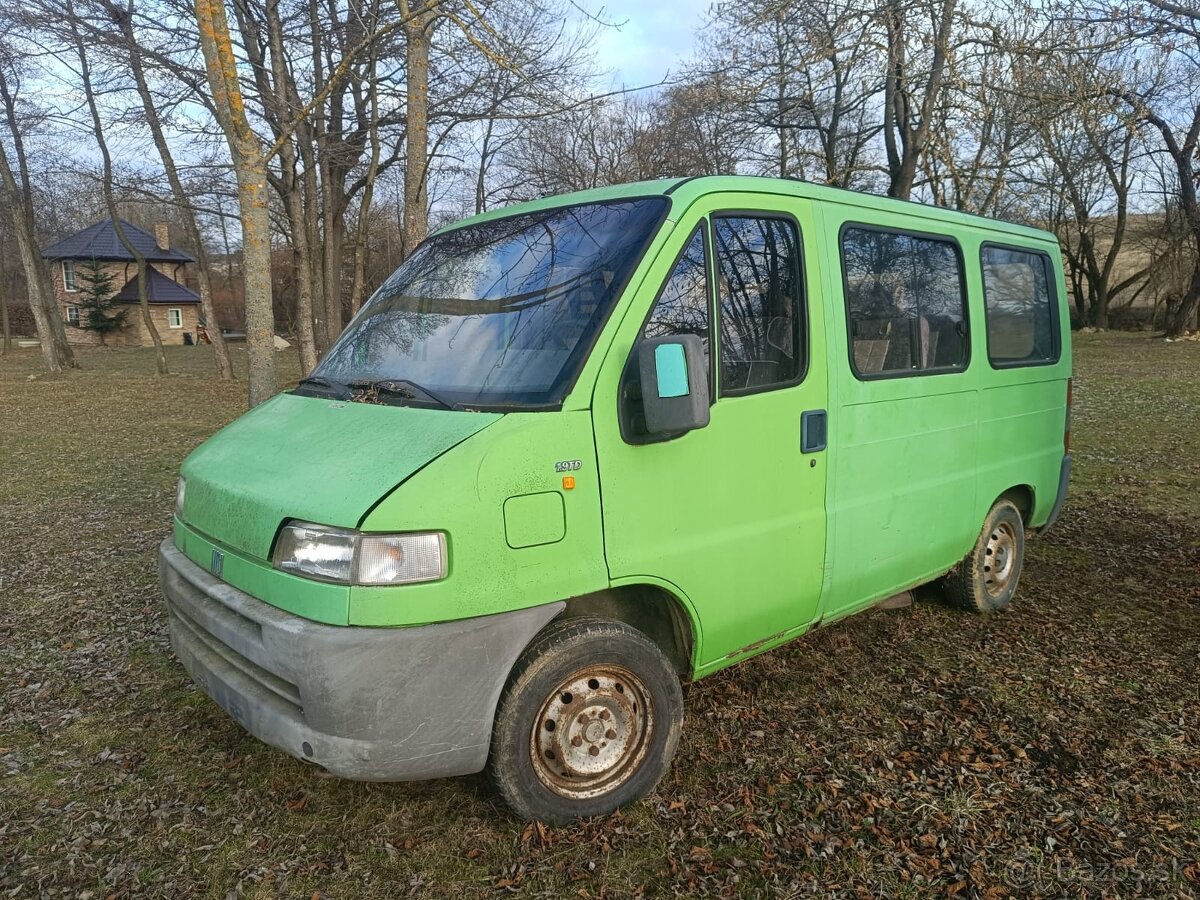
674 382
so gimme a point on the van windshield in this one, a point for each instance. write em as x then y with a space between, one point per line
499 314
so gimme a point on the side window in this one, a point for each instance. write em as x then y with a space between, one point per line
682 304
1019 304
762 342
905 303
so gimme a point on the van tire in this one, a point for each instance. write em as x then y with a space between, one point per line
588 721
979 583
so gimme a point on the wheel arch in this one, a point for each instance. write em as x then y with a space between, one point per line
652 609
1023 498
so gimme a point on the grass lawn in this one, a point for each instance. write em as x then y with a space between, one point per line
1054 749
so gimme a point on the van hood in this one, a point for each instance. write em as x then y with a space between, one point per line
315 459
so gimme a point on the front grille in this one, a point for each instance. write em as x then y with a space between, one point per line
206 621
283 689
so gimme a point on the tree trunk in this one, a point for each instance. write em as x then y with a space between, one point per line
302 259
362 226
250 168
312 221
254 204
124 18
332 251
47 317
85 72
362 233
913 133
416 138
481 173
293 197
1100 307
5 331
1184 317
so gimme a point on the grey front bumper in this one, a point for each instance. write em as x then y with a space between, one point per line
372 704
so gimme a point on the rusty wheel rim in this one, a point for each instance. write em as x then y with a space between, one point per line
592 732
1000 559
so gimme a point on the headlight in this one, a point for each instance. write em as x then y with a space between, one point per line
316 551
350 557
180 490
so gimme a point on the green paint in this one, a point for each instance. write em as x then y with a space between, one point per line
670 367
756 541
322 461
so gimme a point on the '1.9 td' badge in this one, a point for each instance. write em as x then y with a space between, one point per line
568 465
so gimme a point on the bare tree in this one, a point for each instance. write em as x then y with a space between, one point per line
602 142
983 132
89 93
799 76
919 35
1149 59
418 31
18 194
127 43
281 104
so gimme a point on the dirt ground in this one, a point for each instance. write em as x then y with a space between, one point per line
1053 750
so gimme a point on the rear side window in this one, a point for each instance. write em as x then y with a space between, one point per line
762 341
1020 307
682 305
906 307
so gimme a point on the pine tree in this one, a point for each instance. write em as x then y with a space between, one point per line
97 312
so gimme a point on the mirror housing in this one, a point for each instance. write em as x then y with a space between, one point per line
674 382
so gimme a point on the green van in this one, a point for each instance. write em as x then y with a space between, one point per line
579 449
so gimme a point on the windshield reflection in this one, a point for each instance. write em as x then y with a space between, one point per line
501 313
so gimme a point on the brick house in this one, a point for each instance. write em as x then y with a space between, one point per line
174 307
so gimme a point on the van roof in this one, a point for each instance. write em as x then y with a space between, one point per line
686 190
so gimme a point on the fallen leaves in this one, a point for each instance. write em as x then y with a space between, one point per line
1052 750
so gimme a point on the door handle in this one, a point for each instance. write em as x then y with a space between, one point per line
814 427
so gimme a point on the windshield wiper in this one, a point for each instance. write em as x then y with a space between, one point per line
401 387
318 382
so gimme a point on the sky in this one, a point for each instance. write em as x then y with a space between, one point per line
652 37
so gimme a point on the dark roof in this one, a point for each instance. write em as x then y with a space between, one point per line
100 241
161 289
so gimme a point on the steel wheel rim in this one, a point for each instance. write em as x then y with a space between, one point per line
592 732
1000 559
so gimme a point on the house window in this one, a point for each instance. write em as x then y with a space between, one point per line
73 316
175 317
68 268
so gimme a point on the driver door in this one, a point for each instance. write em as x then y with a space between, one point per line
730 516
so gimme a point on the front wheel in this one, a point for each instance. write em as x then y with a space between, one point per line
588 722
986 579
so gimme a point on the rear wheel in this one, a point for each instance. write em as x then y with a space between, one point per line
588 722
986 579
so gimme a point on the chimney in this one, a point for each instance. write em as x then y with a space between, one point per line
162 237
